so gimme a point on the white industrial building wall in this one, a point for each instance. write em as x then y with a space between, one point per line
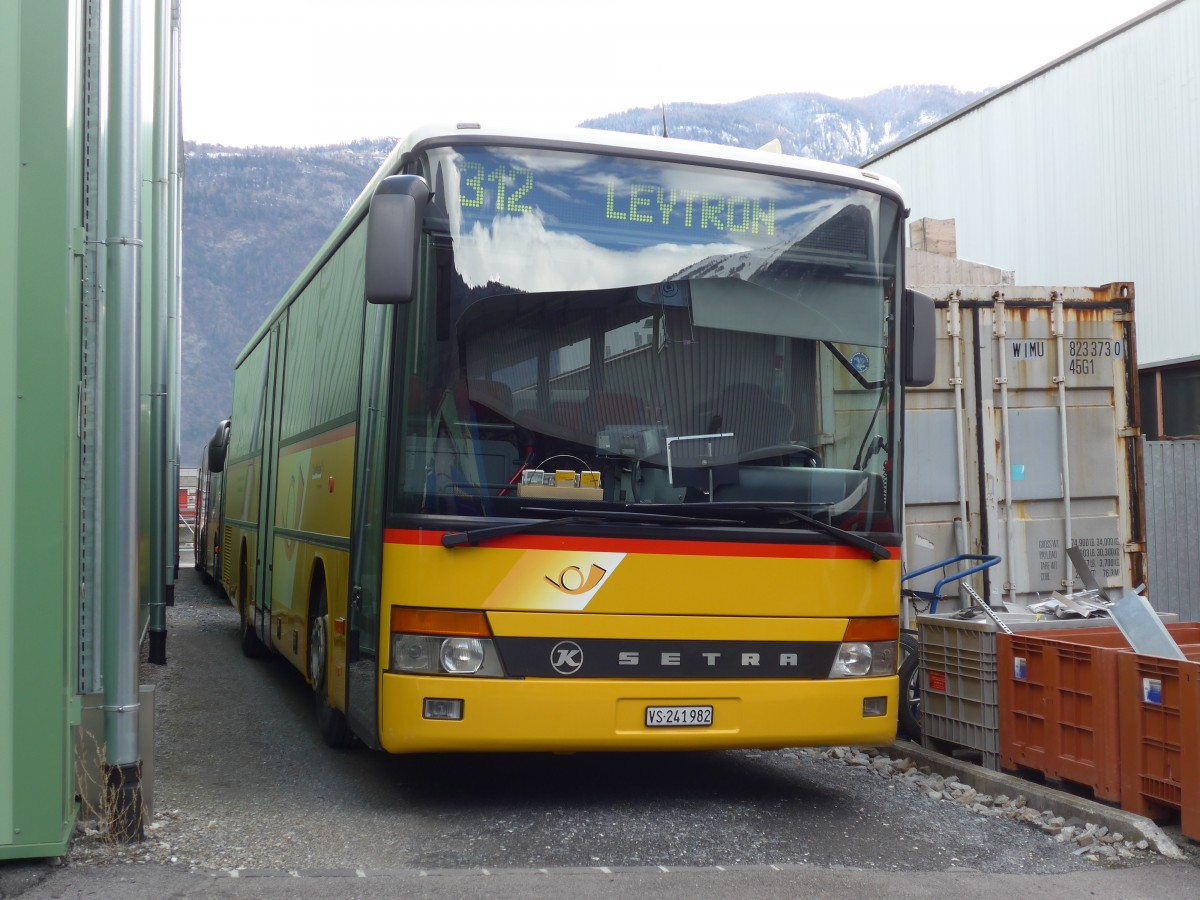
1085 172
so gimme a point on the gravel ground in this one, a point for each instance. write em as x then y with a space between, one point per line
243 783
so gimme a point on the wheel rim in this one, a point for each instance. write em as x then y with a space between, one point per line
316 652
242 579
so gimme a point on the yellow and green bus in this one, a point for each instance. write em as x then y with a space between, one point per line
584 441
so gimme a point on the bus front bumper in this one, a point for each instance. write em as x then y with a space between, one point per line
596 715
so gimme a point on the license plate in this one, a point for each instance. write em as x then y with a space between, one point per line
678 716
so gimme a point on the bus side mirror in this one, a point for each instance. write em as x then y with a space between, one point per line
918 335
217 445
393 236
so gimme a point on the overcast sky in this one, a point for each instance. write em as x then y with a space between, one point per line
308 72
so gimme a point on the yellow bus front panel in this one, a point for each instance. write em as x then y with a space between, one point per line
742 636
569 715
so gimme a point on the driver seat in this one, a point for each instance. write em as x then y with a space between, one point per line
754 418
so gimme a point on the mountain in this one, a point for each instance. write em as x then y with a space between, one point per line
811 125
254 217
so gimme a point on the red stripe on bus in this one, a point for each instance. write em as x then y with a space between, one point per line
422 538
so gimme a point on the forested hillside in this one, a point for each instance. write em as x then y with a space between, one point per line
253 218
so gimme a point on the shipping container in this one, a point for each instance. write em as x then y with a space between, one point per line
1027 442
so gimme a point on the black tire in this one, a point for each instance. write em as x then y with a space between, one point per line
908 646
252 646
909 711
331 723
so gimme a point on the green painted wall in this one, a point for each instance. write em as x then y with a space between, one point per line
39 351
10 107
42 154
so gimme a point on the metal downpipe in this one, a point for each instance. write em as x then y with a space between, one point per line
1002 382
160 558
961 527
93 355
119 463
1059 330
174 275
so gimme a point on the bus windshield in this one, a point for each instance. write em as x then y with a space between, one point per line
609 330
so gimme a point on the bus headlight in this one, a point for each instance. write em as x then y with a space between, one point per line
415 652
428 654
462 656
861 659
442 642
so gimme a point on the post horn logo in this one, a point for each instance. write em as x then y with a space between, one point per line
571 580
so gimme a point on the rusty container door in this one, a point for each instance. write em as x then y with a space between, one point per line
1027 442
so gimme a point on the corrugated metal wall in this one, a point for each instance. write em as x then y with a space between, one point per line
1084 173
1173 526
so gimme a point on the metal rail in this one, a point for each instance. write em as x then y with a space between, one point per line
984 562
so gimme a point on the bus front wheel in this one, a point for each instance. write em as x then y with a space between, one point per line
331 723
910 687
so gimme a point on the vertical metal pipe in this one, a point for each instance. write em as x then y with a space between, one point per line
162 504
175 251
92 352
174 140
956 338
1010 582
1059 330
119 465
962 528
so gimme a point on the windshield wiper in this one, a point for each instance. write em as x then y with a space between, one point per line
790 507
473 536
878 551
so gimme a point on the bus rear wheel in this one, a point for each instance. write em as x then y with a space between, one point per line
331 723
252 646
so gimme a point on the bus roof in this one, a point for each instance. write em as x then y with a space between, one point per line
583 140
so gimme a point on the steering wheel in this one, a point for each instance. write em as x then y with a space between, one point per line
811 459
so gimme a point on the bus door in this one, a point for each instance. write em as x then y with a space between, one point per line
266 504
366 528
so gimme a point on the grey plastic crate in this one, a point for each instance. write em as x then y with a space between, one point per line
958 684
963 734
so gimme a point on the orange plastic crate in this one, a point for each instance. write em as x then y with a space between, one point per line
1160 736
1059 713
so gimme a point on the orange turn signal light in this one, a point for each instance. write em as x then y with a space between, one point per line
449 622
876 629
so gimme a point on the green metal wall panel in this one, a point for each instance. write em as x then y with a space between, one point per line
39 473
44 146
10 109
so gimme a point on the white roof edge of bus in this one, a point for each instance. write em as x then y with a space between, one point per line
618 140
585 138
